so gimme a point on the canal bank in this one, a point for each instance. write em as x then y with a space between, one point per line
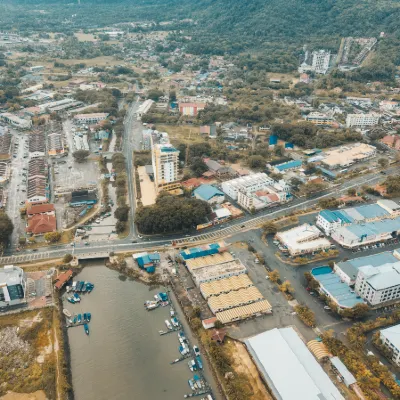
124 356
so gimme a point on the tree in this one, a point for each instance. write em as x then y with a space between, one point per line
198 166
306 315
360 310
274 276
196 312
67 258
122 213
154 94
329 202
52 237
286 287
218 324
270 228
6 228
383 162
256 162
351 192
80 156
120 226
311 188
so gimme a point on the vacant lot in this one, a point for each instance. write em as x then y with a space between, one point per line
99 61
85 37
182 133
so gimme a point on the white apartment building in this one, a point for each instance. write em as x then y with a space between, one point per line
93 118
165 160
249 183
318 118
320 61
379 285
361 120
390 338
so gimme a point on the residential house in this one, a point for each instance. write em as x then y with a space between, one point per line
210 194
41 223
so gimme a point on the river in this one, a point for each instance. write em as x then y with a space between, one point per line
125 357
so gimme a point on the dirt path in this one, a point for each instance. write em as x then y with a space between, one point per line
56 348
39 395
244 364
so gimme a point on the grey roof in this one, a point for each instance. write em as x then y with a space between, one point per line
383 277
289 368
393 335
213 165
390 204
149 169
11 276
346 374
350 267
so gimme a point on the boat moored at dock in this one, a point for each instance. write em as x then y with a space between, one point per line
86 327
168 324
67 313
196 350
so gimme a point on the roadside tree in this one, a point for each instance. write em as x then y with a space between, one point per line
80 156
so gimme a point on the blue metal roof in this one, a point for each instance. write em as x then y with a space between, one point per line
333 286
288 165
347 219
330 216
207 192
372 211
375 228
327 172
273 139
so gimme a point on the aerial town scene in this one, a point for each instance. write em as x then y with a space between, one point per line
199 200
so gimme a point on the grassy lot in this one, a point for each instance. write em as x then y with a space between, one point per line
27 359
182 133
100 61
85 37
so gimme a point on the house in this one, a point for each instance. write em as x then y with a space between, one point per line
37 190
146 261
41 223
391 141
210 194
40 209
218 169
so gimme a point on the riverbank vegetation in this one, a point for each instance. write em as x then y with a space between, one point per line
27 358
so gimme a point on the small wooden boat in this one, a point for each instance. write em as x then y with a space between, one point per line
67 313
86 327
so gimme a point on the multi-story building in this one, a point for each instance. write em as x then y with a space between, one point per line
165 160
93 118
362 120
390 338
12 286
16 121
320 61
55 144
191 109
37 145
249 183
320 119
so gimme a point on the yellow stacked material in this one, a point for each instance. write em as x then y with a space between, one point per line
234 299
225 285
239 313
201 262
318 349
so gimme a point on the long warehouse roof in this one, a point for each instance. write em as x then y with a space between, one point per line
205 261
225 285
238 313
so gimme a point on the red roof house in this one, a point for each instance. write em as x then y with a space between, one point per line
41 223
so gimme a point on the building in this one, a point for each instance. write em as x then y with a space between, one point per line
249 183
362 120
210 194
147 261
219 170
331 285
365 234
12 286
37 190
144 107
330 220
191 109
41 223
81 142
37 167
346 376
37 145
55 144
344 156
83 197
40 209
390 338
391 141
288 367
303 239
287 166
204 250
320 119
226 285
90 119
5 172
3 198
243 312
165 161
16 121
320 61
62 279
5 143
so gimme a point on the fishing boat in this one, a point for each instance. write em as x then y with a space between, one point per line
150 305
71 299
86 327
181 340
83 290
172 312
183 349
88 316
75 319
77 297
198 381
89 287
192 365
191 384
199 362
68 289
175 322
80 287
181 335
67 313
79 318
196 350
73 287
84 316
168 324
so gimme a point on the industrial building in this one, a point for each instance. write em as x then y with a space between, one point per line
362 120
16 121
369 233
12 286
209 193
146 261
288 367
204 250
90 119
37 145
287 166
303 239
226 285
83 197
55 144
244 312
390 338
5 143
346 156
213 259
330 220
144 107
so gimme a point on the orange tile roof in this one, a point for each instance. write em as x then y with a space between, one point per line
41 223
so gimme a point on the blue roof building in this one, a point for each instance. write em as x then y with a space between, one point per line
273 140
288 166
209 193
148 262
332 286
202 251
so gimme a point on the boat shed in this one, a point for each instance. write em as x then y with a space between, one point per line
148 262
346 375
62 279
202 251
